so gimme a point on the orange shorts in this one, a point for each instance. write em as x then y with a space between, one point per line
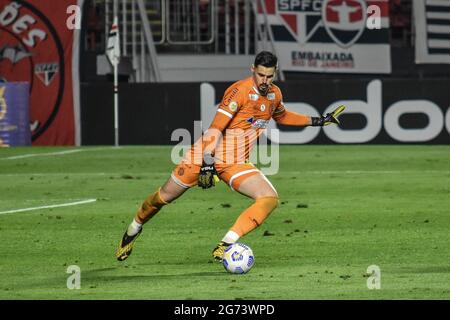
186 175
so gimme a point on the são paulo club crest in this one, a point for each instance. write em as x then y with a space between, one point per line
344 20
301 19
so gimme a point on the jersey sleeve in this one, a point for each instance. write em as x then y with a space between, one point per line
280 110
232 101
228 107
289 118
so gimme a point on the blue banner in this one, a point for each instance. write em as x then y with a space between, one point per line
15 114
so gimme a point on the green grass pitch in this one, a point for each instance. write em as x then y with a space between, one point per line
342 209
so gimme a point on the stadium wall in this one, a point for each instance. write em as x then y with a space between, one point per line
384 111
148 113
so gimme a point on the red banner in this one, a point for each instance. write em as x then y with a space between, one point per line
36 45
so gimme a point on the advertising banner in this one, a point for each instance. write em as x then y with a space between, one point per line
14 115
389 111
36 46
337 36
380 112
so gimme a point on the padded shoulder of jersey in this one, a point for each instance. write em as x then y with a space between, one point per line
277 90
244 84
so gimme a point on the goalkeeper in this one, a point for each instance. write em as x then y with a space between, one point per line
243 114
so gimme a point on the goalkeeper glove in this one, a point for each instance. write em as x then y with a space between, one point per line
207 176
329 118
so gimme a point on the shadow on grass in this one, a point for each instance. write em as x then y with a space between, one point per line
98 278
430 269
151 276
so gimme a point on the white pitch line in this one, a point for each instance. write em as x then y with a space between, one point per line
51 206
29 155
46 174
42 154
368 172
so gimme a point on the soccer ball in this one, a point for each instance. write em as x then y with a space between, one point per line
238 258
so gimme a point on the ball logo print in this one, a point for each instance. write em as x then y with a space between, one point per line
344 20
238 258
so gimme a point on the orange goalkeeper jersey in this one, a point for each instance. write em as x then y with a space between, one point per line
242 116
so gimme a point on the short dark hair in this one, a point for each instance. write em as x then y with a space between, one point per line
266 59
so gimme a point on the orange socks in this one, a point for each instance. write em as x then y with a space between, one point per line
249 220
152 204
254 215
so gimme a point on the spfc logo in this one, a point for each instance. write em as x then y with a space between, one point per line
301 18
344 20
46 72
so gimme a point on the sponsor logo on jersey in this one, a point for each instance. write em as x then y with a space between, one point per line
233 106
258 123
271 96
253 96
229 98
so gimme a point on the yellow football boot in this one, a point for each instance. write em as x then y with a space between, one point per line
126 246
218 251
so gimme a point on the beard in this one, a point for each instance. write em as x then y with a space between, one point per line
263 89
